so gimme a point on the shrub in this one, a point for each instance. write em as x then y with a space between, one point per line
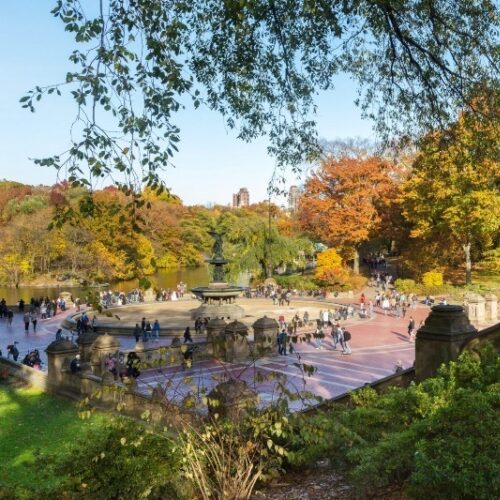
432 278
122 459
296 281
406 286
437 439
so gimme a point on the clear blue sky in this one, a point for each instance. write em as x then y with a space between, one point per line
212 163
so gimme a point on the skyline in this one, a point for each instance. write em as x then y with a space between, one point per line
211 163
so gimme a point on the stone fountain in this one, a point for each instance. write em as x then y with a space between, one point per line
218 298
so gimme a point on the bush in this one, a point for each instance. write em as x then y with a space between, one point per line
122 460
406 286
297 282
432 278
437 439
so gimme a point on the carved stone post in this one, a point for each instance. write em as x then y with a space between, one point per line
475 307
102 346
440 339
216 337
236 342
265 331
491 307
231 399
60 353
85 341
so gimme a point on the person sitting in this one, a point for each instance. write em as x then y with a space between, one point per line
75 365
133 362
188 356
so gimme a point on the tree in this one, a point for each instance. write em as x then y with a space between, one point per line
453 192
260 64
329 269
339 205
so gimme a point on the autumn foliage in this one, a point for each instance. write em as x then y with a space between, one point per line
340 204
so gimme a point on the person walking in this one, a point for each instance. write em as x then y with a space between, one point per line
187 335
282 340
411 328
26 319
335 335
319 335
347 338
156 330
137 332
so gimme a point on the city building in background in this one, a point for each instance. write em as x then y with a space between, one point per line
241 198
293 198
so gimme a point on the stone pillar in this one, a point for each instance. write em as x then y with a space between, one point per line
440 340
102 346
491 307
236 342
475 307
60 353
231 399
265 332
85 341
216 337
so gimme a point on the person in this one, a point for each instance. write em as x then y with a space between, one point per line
137 332
13 351
148 330
188 356
75 365
59 334
175 341
156 330
10 317
26 319
110 364
282 339
411 327
305 318
319 335
385 305
347 338
398 368
187 335
34 320
133 362
21 305
197 325
335 335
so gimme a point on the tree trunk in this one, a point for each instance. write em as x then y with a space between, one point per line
355 264
468 264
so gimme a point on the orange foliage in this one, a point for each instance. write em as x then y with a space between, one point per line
339 204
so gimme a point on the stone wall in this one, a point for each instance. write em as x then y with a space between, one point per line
33 377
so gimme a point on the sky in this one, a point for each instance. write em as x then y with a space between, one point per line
212 163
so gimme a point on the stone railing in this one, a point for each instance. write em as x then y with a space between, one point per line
31 376
490 335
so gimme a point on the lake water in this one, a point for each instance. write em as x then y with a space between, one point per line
198 276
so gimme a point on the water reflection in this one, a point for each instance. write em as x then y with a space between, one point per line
163 279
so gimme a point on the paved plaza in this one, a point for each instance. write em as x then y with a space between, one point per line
377 345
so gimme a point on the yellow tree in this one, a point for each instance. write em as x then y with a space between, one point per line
329 269
453 191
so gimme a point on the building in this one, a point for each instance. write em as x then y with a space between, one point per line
241 198
293 198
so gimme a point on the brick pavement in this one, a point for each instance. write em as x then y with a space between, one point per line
377 344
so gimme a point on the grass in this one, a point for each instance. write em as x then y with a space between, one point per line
34 422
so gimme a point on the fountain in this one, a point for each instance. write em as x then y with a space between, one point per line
218 297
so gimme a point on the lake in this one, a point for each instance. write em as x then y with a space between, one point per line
198 276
